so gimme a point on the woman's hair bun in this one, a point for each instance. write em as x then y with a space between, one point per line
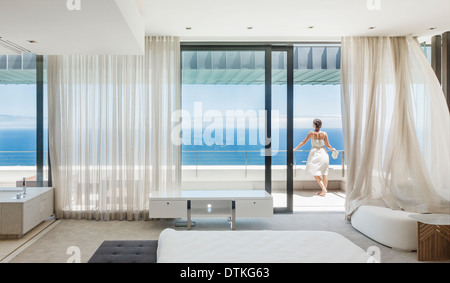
318 123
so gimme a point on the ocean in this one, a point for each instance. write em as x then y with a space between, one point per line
251 154
18 148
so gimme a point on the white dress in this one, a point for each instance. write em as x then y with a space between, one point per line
318 159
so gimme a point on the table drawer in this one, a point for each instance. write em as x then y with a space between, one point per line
168 209
254 208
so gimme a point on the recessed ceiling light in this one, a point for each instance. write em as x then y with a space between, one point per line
188 28
249 28
432 28
32 41
310 27
372 27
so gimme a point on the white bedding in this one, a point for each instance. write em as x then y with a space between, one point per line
257 246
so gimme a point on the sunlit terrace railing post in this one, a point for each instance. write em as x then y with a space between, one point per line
196 164
245 164
343 164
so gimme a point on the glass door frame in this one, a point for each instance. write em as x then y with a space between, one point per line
267 48
289 49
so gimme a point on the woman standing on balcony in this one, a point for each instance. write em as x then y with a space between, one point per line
318 160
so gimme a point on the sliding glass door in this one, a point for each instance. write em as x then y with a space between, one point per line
237 119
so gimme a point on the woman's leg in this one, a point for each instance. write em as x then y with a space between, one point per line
322 186
325 181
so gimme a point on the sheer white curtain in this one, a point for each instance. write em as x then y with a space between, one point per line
396 127
110 130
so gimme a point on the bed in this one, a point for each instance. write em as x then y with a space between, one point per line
257 247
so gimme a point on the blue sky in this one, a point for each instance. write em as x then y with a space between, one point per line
309 101
18 100
18 107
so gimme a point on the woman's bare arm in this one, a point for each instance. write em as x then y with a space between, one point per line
304 141
327 143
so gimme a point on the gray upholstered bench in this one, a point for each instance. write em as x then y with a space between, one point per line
126 252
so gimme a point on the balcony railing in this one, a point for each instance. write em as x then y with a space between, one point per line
248 158
21 163
227 157
20 158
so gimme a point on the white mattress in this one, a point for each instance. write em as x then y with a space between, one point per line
257 246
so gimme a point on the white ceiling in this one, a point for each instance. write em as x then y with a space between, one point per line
119 26
290 19
99 27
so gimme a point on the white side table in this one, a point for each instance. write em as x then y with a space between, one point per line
433 236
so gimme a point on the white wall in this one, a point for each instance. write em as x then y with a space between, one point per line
252 178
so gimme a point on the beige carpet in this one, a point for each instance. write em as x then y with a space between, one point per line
9 247
87 235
